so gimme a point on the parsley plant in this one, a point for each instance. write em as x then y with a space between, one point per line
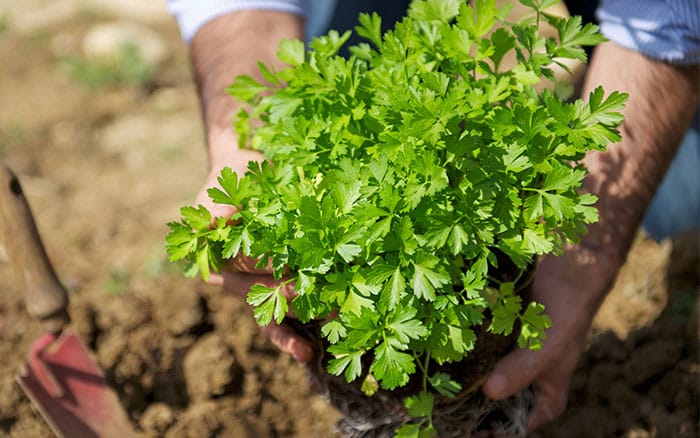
398 175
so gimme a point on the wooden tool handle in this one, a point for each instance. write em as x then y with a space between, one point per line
46 298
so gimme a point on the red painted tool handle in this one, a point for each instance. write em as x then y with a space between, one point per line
46 298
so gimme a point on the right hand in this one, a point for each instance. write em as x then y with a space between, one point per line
571 287
241 274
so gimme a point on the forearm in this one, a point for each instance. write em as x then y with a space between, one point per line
662 101
228 46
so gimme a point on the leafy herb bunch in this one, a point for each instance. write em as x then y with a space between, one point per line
397 174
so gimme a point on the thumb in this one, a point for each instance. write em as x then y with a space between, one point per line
512 374
548 372
216 210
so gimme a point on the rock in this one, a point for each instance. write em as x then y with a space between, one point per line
106 41
211 369
157 418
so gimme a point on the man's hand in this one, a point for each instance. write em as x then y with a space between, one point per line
662 101
225 47
571 287
238 278
241 273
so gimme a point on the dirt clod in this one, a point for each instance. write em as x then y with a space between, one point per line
157 418
210 369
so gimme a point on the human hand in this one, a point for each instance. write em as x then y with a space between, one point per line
571 287
241 273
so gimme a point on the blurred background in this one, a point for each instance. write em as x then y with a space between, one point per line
100 120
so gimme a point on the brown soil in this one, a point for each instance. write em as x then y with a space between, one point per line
105 168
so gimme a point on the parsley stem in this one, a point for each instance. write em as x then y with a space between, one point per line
425 371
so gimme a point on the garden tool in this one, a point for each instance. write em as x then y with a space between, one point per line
60 377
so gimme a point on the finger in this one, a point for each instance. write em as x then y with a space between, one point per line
550 402
289 341
512 374
243 263
239 283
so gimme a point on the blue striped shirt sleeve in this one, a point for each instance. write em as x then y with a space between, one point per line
666 30
193 14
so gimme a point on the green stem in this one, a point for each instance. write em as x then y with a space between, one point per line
425 371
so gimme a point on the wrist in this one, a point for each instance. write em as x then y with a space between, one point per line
572 286
229 46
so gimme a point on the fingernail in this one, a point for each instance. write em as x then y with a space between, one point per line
495 385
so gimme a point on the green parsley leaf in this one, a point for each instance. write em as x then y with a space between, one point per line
291 52
420 405
269 303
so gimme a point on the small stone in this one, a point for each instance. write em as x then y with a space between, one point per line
106 41
157 418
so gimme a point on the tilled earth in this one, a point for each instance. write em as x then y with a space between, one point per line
106 163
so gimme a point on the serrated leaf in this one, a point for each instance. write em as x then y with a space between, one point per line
370 27
534 325
346 195
408 430
431 10
505 312
536 243
606 111
391 367
181 241
404 325
444 385
348 251
354 303
291 51
198 218
503 42
245 88
427 276
269 303
420 405
345 362
393 290
458 239
571 33
234 189
479 20
334 331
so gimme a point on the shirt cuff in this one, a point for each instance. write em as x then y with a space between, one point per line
662 30
191 15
